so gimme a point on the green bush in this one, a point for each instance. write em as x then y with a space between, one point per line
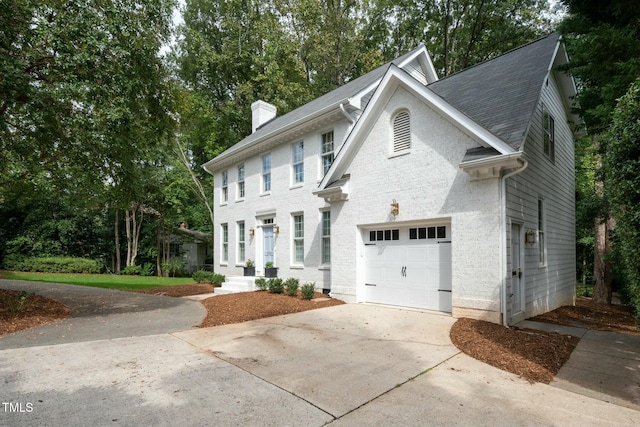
275 285
202 276
132 270
174 268
261 284
19 302
307 290
52 265
291 286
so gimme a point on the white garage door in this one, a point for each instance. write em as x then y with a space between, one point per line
409 267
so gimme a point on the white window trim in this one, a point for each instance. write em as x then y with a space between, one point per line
224 244
541 226
324 237
294 183
294 262
241 243
224 177
324 154
241 184
264 192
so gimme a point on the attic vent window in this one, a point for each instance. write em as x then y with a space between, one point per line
401 132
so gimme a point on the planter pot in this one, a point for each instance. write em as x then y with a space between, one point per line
271 272
249 271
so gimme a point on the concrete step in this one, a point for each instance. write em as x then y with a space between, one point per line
237 284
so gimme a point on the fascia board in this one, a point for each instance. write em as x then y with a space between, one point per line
392 79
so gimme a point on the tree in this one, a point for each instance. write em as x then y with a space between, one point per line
621 166
604 45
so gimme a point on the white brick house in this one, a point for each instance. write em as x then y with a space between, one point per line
398 188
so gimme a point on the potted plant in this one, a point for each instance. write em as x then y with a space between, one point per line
249 268
270 270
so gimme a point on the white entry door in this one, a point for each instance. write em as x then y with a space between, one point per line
409 267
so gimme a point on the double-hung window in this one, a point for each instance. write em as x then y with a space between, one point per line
224 231
298 239
225 187
327 151
326 237
298 162
241 181
266 173
241 242
548 134
542 244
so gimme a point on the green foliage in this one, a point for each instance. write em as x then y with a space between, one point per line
621 167
110 281
275 285
52 265
291 286
132 270
261 284
19 303
268 265
307 290
202 276
174 268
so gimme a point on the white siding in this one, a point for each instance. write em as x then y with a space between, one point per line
284 199
547 287
430 188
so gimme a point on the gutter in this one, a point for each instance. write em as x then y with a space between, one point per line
503 234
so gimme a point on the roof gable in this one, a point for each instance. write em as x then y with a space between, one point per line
349 95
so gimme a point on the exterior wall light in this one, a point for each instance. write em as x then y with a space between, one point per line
276 229
530 237
395 208
252 232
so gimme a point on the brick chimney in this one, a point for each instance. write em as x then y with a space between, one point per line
261 113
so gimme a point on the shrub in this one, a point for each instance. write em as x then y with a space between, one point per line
132 270
307 290
261 284
174 268
52 265
291 286
275 285
19 302
202 276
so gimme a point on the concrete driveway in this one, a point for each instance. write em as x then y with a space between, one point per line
342 366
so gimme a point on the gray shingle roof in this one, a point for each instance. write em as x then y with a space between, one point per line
501 94
333 98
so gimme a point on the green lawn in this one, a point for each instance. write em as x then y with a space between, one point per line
111 281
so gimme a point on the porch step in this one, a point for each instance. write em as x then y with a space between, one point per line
235 284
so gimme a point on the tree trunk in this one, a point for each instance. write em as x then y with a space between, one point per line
117 241
602 273
133 225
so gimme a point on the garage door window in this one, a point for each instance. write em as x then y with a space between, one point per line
420 233
379 235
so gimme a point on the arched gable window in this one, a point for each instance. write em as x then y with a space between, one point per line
401 132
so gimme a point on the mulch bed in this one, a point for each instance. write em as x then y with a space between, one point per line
180 290
533 355
244 306
39 311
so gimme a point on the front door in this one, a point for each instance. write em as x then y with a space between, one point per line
517 282
268 244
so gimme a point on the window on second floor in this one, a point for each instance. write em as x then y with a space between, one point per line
266 173
298 162
241 181
327 151
224 197
548 134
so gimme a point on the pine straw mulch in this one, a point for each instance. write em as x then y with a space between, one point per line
537 356
39 311
180 290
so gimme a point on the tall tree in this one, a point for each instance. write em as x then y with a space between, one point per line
603 40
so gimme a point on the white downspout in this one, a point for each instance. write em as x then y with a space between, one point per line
503 235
